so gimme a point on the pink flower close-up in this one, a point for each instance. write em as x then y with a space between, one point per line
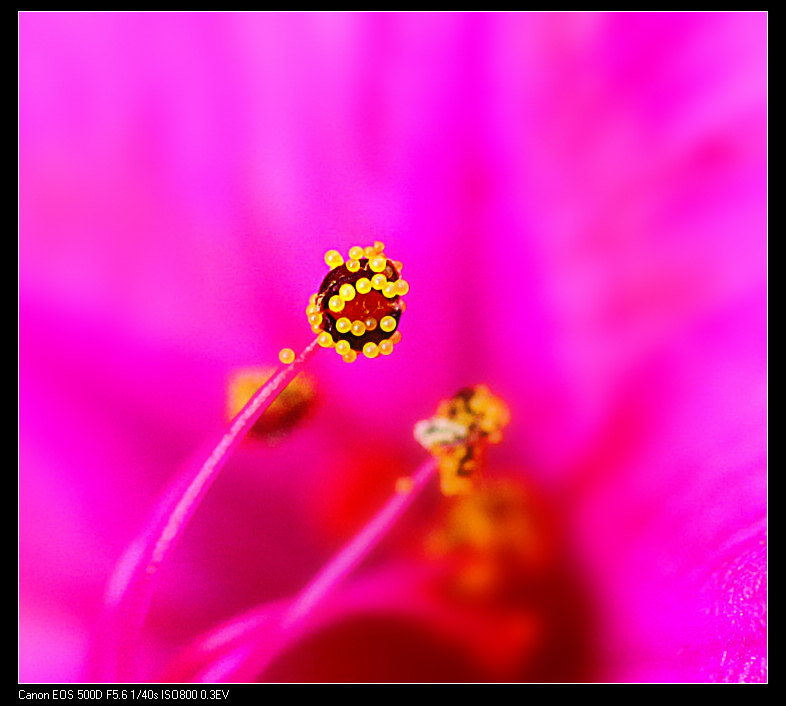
579 203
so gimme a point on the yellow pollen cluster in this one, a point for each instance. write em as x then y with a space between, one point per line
359 303
457 435
498 538
498 517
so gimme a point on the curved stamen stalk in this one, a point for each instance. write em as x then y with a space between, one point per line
243 649
248 661
356 550
376 307
132 584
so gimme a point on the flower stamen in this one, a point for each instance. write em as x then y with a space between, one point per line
347 288
457 435
361 297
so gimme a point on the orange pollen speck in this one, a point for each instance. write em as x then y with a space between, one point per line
404 485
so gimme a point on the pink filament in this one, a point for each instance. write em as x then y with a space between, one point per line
249 660
131 586
356 550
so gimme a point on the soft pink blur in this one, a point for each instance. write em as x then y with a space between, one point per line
580 204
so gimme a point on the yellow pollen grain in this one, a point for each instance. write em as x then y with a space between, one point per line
402 287
358 328
356 252
378 263
343 347
353 265
333 259
315 319
370 322
371 350
343 324
389 290
479 404
378 281
379 246
325 340
387 324
336 303
363 285
350 357
385 347
396 337
369 251
286 355
346 292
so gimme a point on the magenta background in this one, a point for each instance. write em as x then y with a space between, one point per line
580 204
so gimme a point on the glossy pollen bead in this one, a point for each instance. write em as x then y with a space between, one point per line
370 350
363 285
336 303
385 347
350 357
333 259
389 290
402 287
325 340
378 263
396 337
346 292
387 324
286 355
356 252
343 324
358 328
370 322
378 281
343 347
353 265
315 319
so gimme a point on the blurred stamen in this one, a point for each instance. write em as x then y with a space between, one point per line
132 584
250 659
357 549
